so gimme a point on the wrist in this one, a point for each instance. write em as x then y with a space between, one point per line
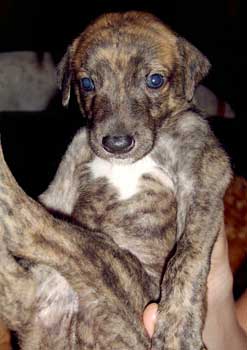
222 330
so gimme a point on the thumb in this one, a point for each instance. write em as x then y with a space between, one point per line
149 318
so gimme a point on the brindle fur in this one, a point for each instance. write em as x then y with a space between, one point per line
75 288
79 310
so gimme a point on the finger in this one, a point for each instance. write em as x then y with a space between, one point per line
149 318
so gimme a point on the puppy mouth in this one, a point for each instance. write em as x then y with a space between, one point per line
118 144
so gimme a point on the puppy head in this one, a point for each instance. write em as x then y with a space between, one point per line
130 73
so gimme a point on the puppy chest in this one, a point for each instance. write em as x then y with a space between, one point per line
126 179
115 192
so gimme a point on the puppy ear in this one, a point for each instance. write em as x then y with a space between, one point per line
195 65
64 77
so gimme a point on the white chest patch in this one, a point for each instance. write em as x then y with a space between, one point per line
125 177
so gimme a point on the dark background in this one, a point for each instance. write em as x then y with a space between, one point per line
35 142
218 28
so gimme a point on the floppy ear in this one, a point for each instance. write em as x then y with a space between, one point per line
64 77
195 64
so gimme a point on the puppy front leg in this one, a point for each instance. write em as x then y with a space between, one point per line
63 191
200 211
182 307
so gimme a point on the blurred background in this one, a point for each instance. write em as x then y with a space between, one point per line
35 138
218 28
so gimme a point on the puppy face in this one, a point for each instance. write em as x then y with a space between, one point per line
130 73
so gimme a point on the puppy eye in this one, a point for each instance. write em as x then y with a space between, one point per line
87 84
155 81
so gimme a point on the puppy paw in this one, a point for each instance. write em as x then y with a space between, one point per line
176 345
175 331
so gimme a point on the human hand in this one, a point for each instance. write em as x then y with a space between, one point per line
221 330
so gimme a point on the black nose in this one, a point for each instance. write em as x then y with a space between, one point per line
118 143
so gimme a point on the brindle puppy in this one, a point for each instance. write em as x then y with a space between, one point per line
147 173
